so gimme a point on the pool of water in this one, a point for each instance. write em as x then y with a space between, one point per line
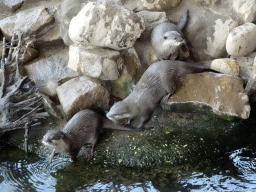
216 167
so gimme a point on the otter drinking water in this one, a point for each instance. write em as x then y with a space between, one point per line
167 39
157 83
84 127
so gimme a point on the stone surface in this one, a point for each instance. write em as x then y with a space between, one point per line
145 52
151 5
47 72
216 42
81 93
106 25
225 65
30 22
222 94
245 9
151 20
30 54
69 9
10 5
241 40
246 65
251 88
95 62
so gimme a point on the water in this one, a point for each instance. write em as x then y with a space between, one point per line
223 162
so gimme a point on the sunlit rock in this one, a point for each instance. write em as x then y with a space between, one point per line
242 40
225 65
151 20
95 62
81 93
219 93
32 21
245 9
47 72
106 25
152 5
10 5
246 65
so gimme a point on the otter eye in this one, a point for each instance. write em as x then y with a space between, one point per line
165 37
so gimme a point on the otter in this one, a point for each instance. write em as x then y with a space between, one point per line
84 127
167 39
157 84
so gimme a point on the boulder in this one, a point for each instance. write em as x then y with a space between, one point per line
206 92
245 9
241 41
69 9
106 25
246 65
81 93
225 65
95 62
206 31
47 72
152 5
10 5
151 20
33 21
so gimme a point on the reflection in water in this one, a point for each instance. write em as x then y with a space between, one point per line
245 180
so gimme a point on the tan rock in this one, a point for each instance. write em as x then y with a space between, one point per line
81 93
225 65
222 94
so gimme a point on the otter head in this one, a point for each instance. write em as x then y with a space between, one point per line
57 139
172 39
120 110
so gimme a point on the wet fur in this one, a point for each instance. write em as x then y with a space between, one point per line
157 83
84 127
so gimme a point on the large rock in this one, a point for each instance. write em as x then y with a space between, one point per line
225 65
242 40
95 62
106 25
222 94
34 21
206 30
245 9
151 20
69 9
81 93
10 5
247 66
47 72
152 5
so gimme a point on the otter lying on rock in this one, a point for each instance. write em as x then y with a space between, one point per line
167 39
157 83
84 127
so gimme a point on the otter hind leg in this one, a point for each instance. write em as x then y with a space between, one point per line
89 152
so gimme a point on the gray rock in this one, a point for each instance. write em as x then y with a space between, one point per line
47 72
106 25
81 93
206 31
152 5
32 21
151 20
95 62
225 65
245 9
242 40
69 9
246 65
10 5
222 94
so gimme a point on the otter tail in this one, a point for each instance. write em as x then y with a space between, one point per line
183 21
198 69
